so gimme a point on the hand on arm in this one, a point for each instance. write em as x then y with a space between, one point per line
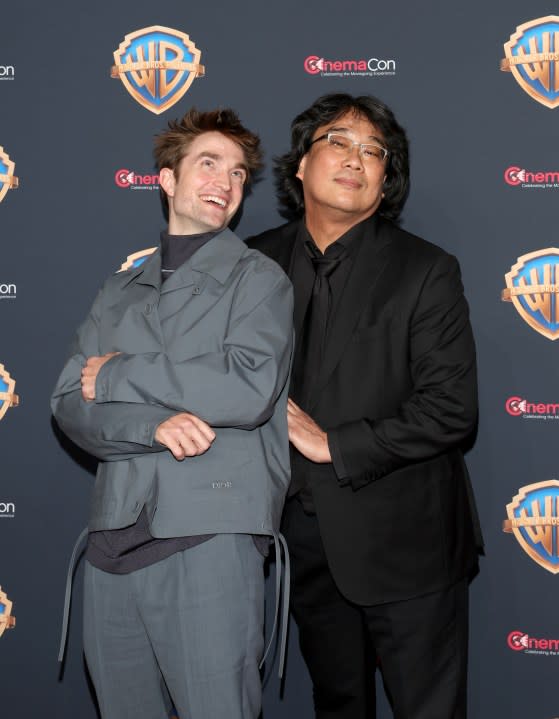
306 435
90 372
185 435
234 386
110 432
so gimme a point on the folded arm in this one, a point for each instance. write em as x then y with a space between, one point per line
235 387
109 432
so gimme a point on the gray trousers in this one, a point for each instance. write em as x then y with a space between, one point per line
192 622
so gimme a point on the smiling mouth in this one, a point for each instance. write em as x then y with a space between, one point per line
215 200
347 182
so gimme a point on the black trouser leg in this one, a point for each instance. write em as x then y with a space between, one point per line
332 633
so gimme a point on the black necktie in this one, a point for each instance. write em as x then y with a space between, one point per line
309 356
316 323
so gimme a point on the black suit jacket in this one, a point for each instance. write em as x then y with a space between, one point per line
398 398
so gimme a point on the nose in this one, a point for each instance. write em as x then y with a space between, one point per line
353 158
223 180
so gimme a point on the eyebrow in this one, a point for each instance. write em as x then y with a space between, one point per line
347 129
216 156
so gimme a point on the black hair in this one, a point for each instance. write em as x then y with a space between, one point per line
323 111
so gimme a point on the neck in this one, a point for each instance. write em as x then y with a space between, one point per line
185 228
325 230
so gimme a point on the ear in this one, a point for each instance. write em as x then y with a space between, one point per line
167 181
301 171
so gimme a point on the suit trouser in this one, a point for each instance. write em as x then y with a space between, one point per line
421 644
192 622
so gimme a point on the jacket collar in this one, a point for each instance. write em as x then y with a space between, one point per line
216 258
148 273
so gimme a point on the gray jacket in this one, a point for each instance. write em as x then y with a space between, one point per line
215 340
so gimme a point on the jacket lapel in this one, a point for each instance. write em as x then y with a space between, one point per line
143 310
216 258
283 245
148 273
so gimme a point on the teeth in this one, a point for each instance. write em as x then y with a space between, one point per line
213 198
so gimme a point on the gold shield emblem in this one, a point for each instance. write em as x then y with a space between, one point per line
7 179
7 397
6 619
533 287
532 55
533 518
157 65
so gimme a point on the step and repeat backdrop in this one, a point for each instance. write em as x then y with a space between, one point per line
84 88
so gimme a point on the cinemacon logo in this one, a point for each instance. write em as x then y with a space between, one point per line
7 72
516 176
130 179
520 642
516 407
7 291
7 509
315 64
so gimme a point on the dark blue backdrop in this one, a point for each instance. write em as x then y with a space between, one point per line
69 128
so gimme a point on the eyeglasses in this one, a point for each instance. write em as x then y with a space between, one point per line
368 151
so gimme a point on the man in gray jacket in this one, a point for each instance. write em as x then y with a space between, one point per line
177 381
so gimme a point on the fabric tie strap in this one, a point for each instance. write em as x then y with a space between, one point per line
78 549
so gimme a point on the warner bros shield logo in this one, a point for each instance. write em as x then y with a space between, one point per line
157 65
532 287
533 518
7 179
532 55
6 619
7 397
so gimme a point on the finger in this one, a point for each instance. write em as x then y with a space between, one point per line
296 417
173 446
295 438
293 427
200 441
203 428
190 446
293 408
195 429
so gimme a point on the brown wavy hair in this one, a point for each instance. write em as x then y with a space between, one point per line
171 145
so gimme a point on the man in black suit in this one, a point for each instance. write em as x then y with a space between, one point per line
381 522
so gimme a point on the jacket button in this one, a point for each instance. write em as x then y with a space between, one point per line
196 291
148 309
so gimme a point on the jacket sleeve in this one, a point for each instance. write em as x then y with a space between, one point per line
441 410
235 387
111 431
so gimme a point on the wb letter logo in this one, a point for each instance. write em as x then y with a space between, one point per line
157 65
532 55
